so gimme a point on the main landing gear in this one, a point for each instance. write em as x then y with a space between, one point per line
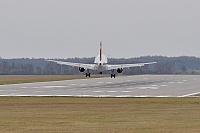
87 74
113 74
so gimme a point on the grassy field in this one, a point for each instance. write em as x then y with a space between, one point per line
64 114
16 79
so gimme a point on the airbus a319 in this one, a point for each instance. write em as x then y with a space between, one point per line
101 64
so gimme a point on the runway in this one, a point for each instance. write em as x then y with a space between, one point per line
122 86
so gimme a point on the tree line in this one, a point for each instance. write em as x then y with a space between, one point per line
165 65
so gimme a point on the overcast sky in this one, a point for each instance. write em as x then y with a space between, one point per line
74 28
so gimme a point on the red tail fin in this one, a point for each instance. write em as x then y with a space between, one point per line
100 51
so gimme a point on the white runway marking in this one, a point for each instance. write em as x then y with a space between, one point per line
124 96
112 91
126 91
53 86
192 94
163 85
104 96
73 84
97 91
24 87
108 82
143 88
154 85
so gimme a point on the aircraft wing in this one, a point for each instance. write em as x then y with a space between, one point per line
110 67
86 66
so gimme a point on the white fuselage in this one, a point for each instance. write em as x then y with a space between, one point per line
100 63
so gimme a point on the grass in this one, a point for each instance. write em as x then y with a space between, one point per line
16 79
65 114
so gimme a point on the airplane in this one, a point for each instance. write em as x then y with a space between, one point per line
101 64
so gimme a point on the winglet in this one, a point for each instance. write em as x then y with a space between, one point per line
100 50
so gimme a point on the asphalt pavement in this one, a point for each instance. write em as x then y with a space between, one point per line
121 86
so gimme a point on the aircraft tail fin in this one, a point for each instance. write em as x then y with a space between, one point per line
100 51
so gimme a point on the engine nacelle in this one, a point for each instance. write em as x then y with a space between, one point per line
119 70
81 69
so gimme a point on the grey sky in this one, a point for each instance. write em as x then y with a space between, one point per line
74 28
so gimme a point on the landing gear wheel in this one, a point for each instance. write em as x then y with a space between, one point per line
112 76
87 74
113 73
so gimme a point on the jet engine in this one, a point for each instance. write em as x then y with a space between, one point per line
81 69
119 70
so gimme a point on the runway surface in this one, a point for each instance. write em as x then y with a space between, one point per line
122 86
